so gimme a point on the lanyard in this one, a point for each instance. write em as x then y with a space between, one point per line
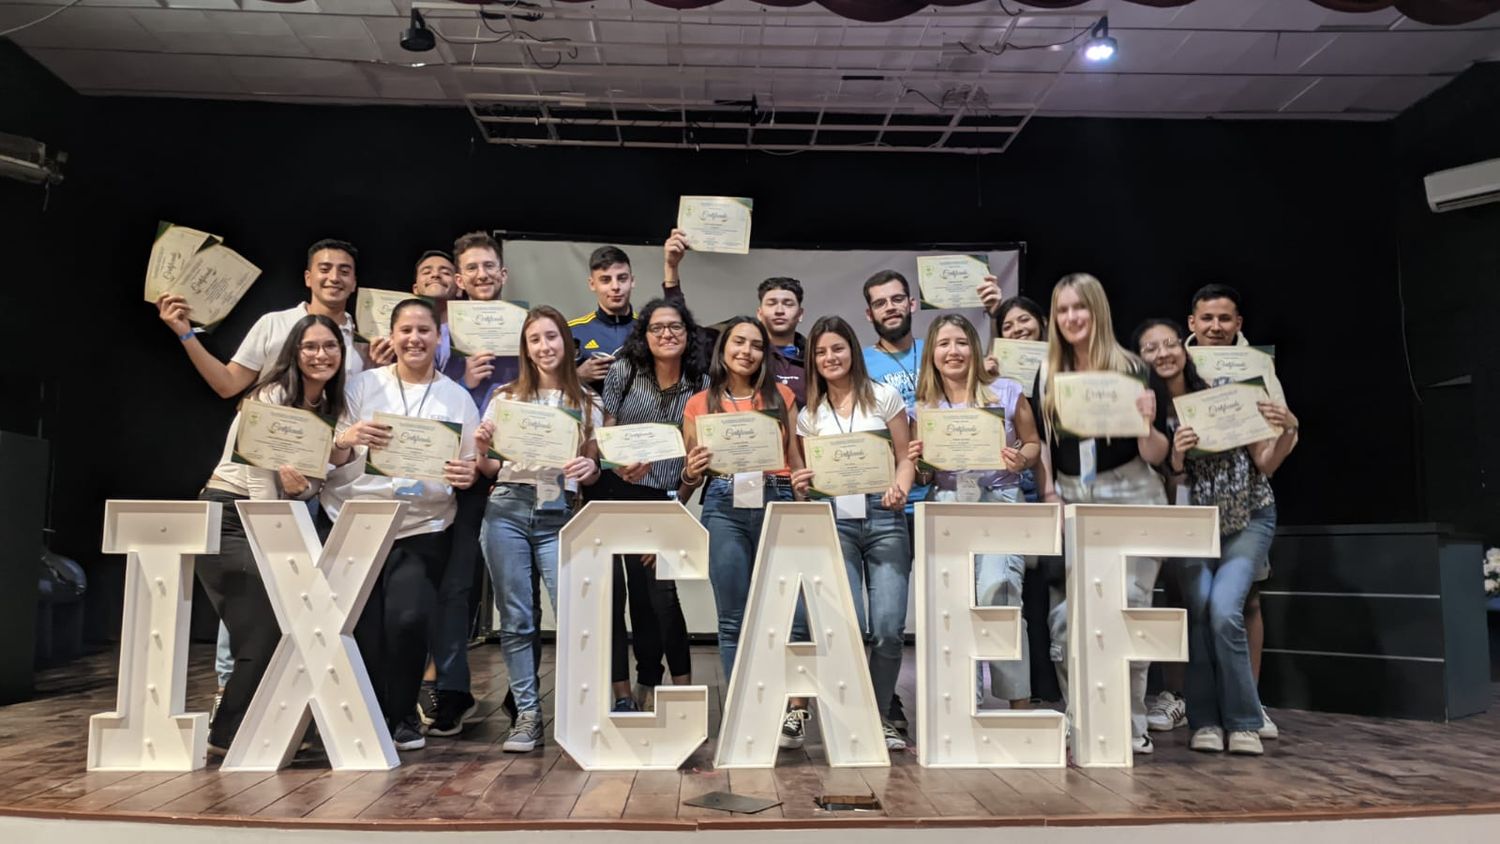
405 409
909 373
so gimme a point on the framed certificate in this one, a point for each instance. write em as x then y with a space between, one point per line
961 439
372 312
647 442
716 223
742 442
493 327
1225 417
951 281
1020 360
534 435
1099 404
211 278
850 464
271 436
1221 364
419 447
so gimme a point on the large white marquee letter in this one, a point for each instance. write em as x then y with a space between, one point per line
1104 634
148 730
317 592
597 739
953 635
799 554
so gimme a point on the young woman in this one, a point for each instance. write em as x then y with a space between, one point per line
1082 339
842 399
953 376
392 630
1221 692
656 372
308 374
530 504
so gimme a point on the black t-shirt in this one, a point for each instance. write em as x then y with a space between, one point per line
1110 453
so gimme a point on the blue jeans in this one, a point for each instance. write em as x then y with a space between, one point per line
223 656
516 537
877 556
1220 686
733 537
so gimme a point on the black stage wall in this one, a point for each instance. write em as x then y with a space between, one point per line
1300 216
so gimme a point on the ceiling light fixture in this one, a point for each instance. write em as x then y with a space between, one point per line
417 38
1100 47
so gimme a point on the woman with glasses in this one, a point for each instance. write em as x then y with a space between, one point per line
307 374
655 374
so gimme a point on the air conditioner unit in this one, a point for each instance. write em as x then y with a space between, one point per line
1464 187
27 160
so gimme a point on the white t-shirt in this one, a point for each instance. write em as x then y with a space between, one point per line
822 421
515 473
242 479
431 510
261 346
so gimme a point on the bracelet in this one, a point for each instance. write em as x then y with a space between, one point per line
186 336
682 476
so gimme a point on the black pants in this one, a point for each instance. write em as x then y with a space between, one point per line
657 627
233 585
1035 603
452 620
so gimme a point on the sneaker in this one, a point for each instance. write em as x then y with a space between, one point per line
625 704
1208 740
406 734
213 711
895 715
1143 745
1245 742
1168 713
427 704
1268 730
453 709
645 697
525 734
793 735
893 738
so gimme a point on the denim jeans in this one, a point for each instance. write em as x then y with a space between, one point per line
223 656
1220 687
877 557
733 538
516 537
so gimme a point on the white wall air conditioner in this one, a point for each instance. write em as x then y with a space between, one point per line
27 160
1464 187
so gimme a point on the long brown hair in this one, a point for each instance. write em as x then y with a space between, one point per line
859 377
529 379
930 390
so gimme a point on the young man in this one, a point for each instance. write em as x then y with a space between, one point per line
330 278
436 281
780 311
601 332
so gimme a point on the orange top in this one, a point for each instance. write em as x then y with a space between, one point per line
698 406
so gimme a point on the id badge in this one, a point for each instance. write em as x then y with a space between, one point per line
1088 461
849 507
408 488
750 490
968 487
549 492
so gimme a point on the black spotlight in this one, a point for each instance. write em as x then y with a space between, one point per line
418 38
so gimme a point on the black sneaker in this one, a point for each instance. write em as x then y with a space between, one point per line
793 732
406 734
895 715
625 704
453 709
427 703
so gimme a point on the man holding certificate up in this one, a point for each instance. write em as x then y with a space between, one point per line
848 431
600 333
407 434
978 439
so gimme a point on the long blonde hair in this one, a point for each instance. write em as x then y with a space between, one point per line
930 390
1104 352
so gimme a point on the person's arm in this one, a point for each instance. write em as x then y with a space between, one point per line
1154 446
1269 454
1029 452
672 252
228 380
990 298
695 465
899 426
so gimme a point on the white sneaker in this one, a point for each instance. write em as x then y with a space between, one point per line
893 738
1143 745
1246 742
1268 730
793 733
1208 740
1168 713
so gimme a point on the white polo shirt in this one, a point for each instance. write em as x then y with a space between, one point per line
261 346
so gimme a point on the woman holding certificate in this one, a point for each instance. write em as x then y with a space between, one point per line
979 439
871 519
407 434
1221 692
541 428
1104 430
303 387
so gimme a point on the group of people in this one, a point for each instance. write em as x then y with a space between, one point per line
618 365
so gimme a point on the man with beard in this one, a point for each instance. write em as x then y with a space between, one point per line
437 282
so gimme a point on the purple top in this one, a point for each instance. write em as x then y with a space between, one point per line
1007 392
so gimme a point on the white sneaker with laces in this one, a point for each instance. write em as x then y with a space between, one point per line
1143 745
893 738
1207 740
793 732
1168 712
525 734
1268 730
1245 742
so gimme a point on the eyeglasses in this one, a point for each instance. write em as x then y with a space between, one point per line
1163 346
656 329
330 348
899 300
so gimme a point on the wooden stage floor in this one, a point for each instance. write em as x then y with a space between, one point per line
1325 766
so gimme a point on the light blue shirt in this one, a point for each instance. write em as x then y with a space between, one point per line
899 372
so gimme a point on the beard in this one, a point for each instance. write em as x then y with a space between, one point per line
895 333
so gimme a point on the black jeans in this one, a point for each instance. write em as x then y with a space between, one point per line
657 627
452 619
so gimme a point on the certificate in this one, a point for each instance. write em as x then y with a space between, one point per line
534 435
170 252
742 442
211 278
716 223
1225 417
961 439
951 281
372 312
419 447
493 327
647 442
850 464
272 435
1019 360
1099 404
1221 364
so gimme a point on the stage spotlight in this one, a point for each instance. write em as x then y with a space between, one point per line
1100 47
418 38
